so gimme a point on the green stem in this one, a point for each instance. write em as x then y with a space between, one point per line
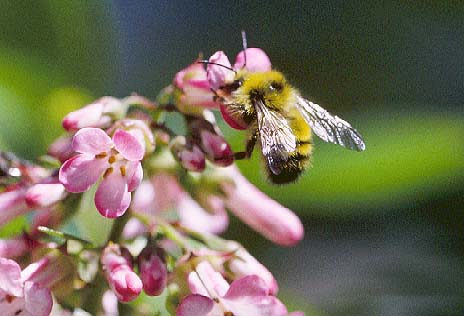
118 226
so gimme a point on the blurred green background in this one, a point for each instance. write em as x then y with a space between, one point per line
384 228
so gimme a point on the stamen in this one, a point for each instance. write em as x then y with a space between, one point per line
108 172
123 170
100 155
112 159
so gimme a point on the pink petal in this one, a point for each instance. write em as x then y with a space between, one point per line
38 300
110 304
232 121
10 277
256 60
154 275
205 280
128 145
126 284
112 198
44 194
91 141
217 75
244 264
14 247
262 213
195 305
12 204
79 173
134 175
194 217
250 285
256 306
88 116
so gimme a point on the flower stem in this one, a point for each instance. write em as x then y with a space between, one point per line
118 227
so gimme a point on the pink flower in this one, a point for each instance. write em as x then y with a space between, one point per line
218 76
216 148
193 89
188 155
256 60
19 295
212 296
119 273
97 114
14 247
164 193
263 214
12 204
61 148
117 158
243 264
44 194
153 272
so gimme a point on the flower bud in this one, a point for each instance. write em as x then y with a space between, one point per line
119 273
61 148
97 114
243 264
193 92
188 155
256 60
218 75
44 194
216 148
263 214
153 272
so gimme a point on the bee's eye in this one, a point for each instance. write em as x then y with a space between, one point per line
237 83
275 86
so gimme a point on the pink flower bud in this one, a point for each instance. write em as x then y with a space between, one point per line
188 155
153 272
243 264
263 214
216 148
193 91
122 279
97 114
12 204
256 60
61 148
44 194
216 74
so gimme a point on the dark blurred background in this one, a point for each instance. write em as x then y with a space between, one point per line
384 228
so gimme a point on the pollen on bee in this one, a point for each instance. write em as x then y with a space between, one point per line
123 170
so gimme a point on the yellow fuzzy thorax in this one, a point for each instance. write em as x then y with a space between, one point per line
262 83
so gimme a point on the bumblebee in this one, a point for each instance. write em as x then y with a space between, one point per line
283 121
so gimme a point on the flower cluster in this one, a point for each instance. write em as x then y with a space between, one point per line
168 194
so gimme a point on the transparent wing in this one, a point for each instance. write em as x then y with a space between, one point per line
277 138
330 128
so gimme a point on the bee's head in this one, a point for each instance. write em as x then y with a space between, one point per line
270 87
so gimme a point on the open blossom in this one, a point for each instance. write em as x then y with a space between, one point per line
213 296
120 274
117 158
20 294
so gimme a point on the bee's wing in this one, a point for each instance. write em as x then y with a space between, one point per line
328 127
277 138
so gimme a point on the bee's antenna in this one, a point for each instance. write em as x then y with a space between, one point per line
244 43
207 62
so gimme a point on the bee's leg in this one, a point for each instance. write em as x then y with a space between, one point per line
250 145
